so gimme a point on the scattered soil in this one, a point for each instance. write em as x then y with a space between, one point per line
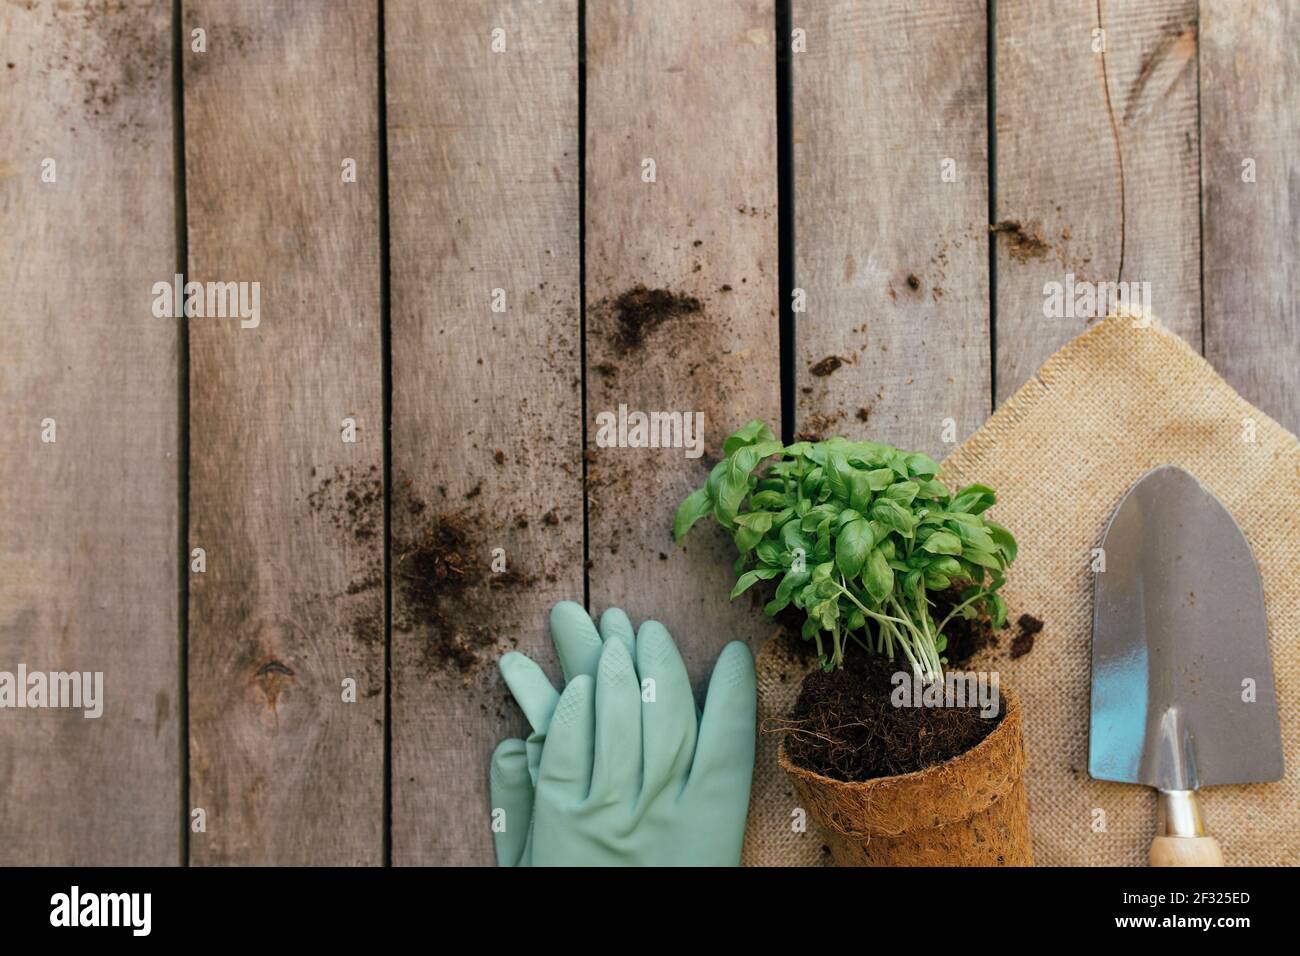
352 500
1025 241
442 576
368 625
816 426
433 574
827 366
639 311
113 59
1023 642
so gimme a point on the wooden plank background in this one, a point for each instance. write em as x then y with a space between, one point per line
691 88
487 406
89 538
891 206
1096 165
1250 112
504 335
290 515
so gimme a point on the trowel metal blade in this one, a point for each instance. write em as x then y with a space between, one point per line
1182 680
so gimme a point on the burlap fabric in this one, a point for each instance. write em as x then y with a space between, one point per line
1112 404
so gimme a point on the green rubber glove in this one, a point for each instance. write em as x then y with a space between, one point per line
515 763
630 772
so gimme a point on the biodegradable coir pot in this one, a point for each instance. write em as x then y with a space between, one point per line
970 810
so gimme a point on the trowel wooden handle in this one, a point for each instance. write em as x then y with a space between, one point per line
1185 851
1181 839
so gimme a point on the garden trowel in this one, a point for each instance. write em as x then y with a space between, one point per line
1182 682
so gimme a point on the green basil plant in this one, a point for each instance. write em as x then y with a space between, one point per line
857 535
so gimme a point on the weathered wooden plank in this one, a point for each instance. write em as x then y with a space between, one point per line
89 540
1250 131
681 290
1097 154
486 408
289 513
891 203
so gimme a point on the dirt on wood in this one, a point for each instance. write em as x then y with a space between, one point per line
817 426
1024 240
436 574
113 55
640 310
352 500
827 366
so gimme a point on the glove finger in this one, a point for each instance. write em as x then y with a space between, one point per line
531 688
577 642
614 625
616 773
668 722
565 774
511 791
724 757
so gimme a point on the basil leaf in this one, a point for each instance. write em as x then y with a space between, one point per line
903 492
750 578
839 476
733 486
893 516
775 500
982 558
1003 539
746 539
974 536
769 552
943 542
935 581
878 576
844 517
880 478
852 547
695 506
942 564
715 476
922 466
785 591
911 583
793 538
997 610
760 521
933 489
974 499
749 434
